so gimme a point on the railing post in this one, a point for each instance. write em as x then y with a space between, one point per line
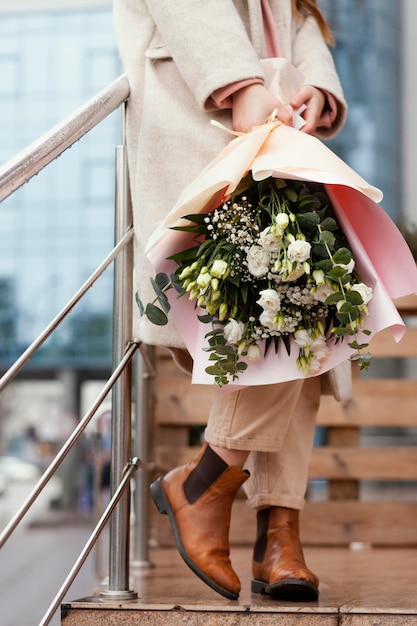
142 445
122 392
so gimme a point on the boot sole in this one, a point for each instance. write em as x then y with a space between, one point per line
289 589
163 506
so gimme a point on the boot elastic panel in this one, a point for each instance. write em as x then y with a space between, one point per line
262 519
209 469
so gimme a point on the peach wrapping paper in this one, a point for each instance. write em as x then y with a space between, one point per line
382 256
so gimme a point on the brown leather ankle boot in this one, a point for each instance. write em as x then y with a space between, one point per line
279 568
198 499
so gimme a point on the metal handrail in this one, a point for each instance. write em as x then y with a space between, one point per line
13 175
43 336
73 438
32 159
129 471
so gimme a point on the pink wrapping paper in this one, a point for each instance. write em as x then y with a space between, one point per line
283 152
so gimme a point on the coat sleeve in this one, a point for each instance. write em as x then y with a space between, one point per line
207 41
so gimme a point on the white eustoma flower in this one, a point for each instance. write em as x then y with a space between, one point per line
319 348
318 276
299 251
303 338
270 241
282 220
233 331
365 292
203 281
219 268
254 353
295 273
269 300
314 364
258 261
266 318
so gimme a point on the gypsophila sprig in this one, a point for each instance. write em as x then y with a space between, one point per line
269 265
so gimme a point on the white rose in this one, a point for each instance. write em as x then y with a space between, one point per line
267 319
269 241
299 251
233 331
282 220
322 293
254 352
269 300
258 261
365 292
219 268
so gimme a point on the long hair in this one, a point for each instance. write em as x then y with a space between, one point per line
301 8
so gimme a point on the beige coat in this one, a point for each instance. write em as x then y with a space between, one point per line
176 54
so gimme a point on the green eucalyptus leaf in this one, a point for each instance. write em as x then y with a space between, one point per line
334 297
308 221
358 346
290 194
326 237
354 297
343 256
156 315
140 304
357 356
325 265
308 202
162 280
347 307
335 273
205 319
341 331
225 350
329 224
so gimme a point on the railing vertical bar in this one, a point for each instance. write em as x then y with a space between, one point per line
142 445
122 391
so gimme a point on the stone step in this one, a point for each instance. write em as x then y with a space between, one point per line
360 585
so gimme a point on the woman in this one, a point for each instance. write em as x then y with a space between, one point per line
189 62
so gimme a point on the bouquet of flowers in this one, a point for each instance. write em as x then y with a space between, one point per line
269 264
279 246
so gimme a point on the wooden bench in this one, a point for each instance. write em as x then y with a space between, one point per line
343 512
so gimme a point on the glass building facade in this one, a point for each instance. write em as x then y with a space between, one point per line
56 229
368 59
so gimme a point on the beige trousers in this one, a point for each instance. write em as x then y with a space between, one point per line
276 424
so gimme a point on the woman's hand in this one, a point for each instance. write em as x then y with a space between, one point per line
252 105
314 100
